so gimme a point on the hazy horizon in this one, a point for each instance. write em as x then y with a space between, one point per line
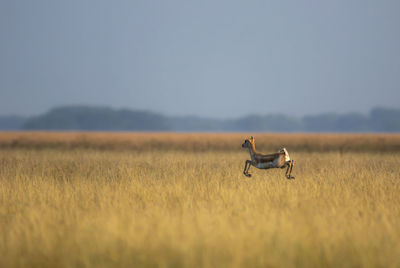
211 59
195 115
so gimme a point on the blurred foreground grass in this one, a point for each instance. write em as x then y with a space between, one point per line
79 207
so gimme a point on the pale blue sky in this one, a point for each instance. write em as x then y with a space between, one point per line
207 58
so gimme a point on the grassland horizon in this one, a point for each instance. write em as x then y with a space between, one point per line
181 200
160 141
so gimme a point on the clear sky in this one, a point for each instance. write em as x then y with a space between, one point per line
208 58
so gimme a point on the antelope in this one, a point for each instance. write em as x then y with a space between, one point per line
262 161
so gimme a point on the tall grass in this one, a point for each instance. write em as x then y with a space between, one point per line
182 208
200 141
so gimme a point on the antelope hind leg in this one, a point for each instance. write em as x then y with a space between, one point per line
287 171
289 176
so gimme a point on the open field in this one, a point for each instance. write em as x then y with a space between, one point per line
181 200
199 142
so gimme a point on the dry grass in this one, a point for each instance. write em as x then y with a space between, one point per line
199 142
81 207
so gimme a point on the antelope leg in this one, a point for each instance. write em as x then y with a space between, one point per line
291 167
245 167
287 170
246 171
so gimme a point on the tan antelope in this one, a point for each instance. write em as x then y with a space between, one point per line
267 161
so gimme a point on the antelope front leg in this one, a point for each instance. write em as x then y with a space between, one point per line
246 168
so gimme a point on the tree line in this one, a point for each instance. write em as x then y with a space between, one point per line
93 118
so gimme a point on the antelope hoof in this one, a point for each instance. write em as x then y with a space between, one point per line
248 175
290 177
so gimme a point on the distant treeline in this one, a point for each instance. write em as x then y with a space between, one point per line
108 119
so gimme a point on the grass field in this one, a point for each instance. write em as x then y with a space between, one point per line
181 200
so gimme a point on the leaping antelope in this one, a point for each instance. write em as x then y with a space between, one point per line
262 161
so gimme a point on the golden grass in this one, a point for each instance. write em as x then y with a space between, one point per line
200 141
183 208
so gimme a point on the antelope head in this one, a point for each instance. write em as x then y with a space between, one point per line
248 143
